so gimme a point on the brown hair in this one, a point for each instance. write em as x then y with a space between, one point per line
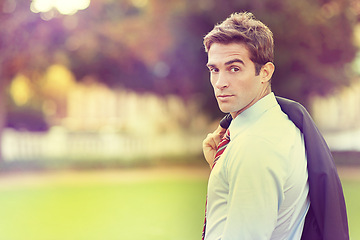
244 28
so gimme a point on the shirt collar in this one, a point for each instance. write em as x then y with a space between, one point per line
250 115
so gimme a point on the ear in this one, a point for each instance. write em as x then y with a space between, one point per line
266 72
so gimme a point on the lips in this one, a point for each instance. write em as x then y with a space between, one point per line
224 96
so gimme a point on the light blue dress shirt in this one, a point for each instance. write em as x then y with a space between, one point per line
258 188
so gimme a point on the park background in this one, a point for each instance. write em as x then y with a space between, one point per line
104 105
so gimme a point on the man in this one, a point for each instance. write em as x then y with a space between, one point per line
258 188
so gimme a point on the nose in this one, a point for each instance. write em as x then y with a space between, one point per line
221 81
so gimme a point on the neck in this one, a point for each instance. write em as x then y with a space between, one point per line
263 93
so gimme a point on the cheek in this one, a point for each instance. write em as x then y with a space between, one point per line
252 82
212 81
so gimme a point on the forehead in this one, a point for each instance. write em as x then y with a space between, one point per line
220 53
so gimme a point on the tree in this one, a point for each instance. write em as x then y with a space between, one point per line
16 21
28 45
156 45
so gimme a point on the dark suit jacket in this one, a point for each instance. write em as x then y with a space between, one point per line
326 218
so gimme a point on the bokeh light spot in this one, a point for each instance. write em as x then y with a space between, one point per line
66 7
20 90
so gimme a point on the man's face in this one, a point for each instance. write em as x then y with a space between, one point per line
233 77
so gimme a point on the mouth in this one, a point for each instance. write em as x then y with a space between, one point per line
224 97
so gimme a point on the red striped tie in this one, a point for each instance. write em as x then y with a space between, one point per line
221 148
222 145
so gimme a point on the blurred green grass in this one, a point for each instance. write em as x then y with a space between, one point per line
164 207
352 198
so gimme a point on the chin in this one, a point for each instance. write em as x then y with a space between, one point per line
228 109
224 109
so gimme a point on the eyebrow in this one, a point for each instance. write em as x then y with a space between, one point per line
236 60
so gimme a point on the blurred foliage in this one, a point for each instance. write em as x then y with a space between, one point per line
154 45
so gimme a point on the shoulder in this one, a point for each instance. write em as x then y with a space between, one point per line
255 158
254 151
266 145
276 128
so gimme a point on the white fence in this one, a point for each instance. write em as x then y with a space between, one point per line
58 144
343 140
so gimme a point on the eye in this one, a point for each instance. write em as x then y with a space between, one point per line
213 70
234 69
